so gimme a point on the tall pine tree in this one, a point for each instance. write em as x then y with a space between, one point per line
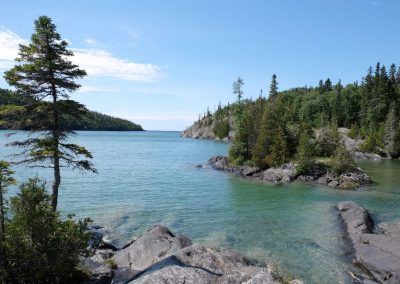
45 74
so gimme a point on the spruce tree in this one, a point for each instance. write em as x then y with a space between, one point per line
273 89
305 152
45 74
391 126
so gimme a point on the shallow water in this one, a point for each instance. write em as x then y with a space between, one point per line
147 178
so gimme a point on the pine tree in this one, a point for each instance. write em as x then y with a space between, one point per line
273 89
391 126
305 152
328 85
237 89
46 75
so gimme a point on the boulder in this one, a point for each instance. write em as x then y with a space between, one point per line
220 163
154 245
247 171
378 253
285 173
160 256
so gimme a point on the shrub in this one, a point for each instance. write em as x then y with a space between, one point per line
354 131
305 155
41 247
342 161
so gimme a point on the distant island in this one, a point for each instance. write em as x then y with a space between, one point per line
313 131
93 121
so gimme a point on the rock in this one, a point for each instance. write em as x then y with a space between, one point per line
220 163
101 273
285 173
367 156
333 183
113 244
154 245
196 264
159 256
391 229
246 171
378 254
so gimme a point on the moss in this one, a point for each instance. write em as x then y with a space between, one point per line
349 185
110 263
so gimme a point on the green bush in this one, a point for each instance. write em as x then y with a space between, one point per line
305 154
354 131
342 161
40 246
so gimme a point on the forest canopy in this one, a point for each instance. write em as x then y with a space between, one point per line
9 116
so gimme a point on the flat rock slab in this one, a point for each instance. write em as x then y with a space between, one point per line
378 253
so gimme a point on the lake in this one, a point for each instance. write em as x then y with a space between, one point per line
148 178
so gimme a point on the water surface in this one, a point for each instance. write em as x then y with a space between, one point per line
148 178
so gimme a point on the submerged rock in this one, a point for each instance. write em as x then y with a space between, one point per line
378 253
159 256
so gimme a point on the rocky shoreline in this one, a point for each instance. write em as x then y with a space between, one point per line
287 173
376 248
160 256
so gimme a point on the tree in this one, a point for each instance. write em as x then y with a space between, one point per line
237 89
273 89
391 126
45 74
6 179
328 85
305 152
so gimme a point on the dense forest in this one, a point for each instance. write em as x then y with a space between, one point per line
302 123
10 116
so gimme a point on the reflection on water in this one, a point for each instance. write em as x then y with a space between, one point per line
146 178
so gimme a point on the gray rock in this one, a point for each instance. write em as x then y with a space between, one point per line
220 163
113 244
379 254
246 171
159 256
196 264
152 246
365 156
101 273
285 173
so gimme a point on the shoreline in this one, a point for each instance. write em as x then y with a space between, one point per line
160 256
287 174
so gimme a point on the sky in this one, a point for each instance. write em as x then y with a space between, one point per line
161 63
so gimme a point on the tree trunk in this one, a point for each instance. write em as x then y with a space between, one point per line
56 153
56 182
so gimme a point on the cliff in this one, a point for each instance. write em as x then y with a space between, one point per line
212 127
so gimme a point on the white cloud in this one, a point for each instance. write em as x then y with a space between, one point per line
96 62
92 89
9 43
101 63
90 41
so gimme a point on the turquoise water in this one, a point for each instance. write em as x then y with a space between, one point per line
147 178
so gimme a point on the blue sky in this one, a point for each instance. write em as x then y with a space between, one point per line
161 63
